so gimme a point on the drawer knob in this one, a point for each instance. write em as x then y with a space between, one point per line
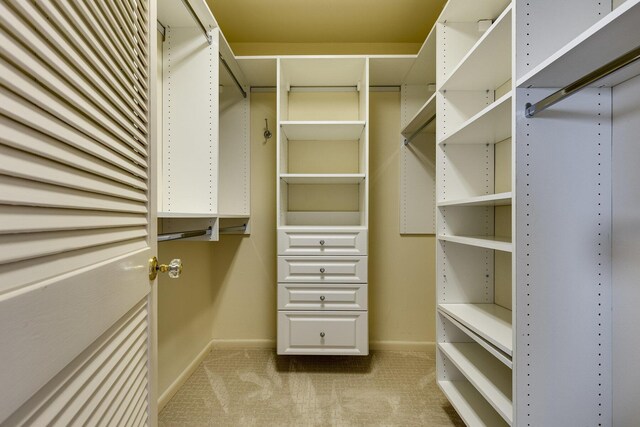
322 270
321 334
321 242
321 297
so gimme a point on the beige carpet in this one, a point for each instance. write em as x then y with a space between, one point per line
259 388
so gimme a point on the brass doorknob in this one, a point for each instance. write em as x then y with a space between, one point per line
174 268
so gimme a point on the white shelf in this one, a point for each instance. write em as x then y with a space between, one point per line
489 321
322 130
224 216
487 65
299 178
500 199
187 215
426 112
612 36
472 10
490 377
470 405
489 126
488 242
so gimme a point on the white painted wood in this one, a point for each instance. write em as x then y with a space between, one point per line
260 71
489 321
472 407
425 113
500 199
494 351
305 296
625 252
319 178
423 70
344 333
488 64
318 269
306 241
322 70
389 70
325 218
472 11
322 130
497 243
490 377
489 126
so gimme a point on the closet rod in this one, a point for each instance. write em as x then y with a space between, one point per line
198 21
607 69
420 129
224 63
183 235
225 230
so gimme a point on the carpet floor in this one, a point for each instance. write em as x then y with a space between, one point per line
259 388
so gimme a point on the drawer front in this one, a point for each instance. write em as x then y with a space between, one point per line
301 296
339 242
322 269
323 332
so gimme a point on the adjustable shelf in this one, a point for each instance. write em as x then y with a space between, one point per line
494 47
490 321
490 377
470 405
471 10
488 242
489 126
500 199
614 35
348 178
424 116
322 130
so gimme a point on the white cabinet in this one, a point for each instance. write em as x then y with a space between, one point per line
322 198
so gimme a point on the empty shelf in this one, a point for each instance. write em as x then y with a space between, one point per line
609 38
472 407
426 113
320 131
488 242
488 64
299 178
500 199
489 321
489 376
489 126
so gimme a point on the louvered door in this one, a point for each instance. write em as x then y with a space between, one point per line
76 214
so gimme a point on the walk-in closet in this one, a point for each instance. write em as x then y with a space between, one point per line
303 213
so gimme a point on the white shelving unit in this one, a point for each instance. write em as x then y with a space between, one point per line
323 198
473 185
205 167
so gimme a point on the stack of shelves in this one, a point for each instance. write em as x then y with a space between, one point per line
473 218
322 193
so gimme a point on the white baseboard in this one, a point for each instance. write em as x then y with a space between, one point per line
402 345
242 344
183 377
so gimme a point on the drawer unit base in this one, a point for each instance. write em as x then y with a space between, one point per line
323 333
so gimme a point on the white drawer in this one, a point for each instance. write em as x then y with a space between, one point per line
301 269
325 242
308 296
323 332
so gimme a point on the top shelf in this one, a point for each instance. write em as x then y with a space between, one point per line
426 113
612 36
472 10
488 64
323 130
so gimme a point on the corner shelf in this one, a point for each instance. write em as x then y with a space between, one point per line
298 178
489 321
494 47
322 130
488 242
612 36
426 112
490 377
489 126
470 405
499 199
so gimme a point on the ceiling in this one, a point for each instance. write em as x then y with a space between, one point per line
326 21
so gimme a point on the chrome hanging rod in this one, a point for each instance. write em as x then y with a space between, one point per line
183 235
420 129
607 69
225 230
198 21
224 63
